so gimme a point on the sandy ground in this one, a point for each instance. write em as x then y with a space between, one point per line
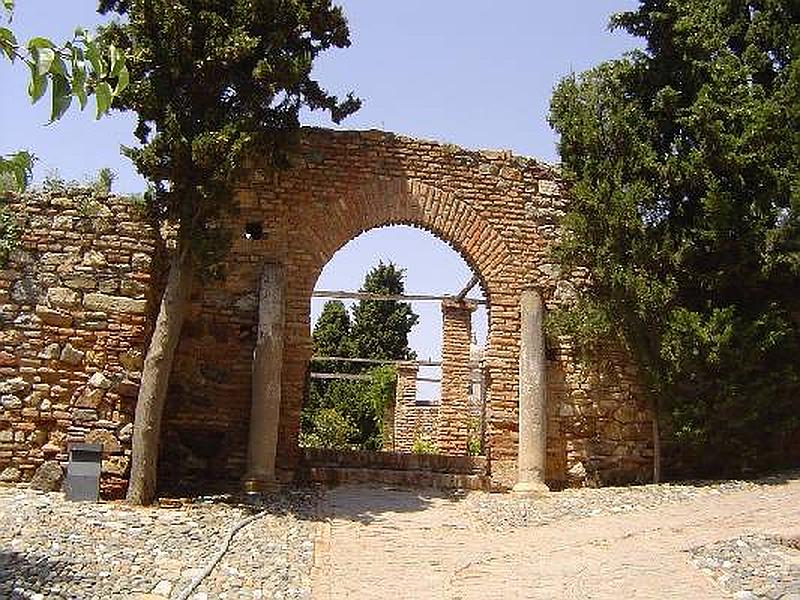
387 543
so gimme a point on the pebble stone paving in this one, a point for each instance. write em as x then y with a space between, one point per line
54 549
753 566
51 548
504 512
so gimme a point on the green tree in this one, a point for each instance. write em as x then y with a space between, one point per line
381 327
683 160
211 82
332 335
379 330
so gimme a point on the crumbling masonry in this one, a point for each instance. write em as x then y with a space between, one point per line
78 295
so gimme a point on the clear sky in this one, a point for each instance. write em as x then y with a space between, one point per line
473 73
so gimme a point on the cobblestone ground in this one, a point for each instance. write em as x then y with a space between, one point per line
50 548
709 541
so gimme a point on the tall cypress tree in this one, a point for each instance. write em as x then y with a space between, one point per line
683 160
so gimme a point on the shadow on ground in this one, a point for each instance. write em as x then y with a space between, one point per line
366 503
22 575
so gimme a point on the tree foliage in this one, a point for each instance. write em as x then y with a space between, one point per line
684 163
381 327
212 82
350 414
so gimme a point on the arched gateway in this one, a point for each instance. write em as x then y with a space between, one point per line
77 302
500 212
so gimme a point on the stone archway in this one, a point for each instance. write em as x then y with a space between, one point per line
498 211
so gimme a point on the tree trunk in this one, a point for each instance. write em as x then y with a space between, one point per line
155 379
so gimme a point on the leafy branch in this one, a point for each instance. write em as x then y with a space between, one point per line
79 68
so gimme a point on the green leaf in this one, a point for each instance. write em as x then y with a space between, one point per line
37 43
123 79
103 96
7 43
44 58
117 60
62 97
79 85
58 67
37 86
93 54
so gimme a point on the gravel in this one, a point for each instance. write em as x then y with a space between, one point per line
753 566
51 548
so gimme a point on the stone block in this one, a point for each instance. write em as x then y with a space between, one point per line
131 360
62 297
115 465
7 359
99 380
90 398
50 352
15 385
25 291
10 475
105 438
84 415
56 318
72 356
10 402
114 304
48 477
126 433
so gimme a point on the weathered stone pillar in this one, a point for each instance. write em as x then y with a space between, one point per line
454 404
532 396
404 407
266 393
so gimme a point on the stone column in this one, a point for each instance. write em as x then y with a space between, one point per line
532 396
266 392
454 404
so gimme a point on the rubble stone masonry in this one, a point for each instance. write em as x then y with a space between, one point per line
76 296
74 300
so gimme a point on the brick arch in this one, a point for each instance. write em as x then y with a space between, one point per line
378 203
384 203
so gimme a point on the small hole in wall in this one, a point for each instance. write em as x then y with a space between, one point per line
254 231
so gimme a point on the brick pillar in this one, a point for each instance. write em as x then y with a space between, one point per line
454 404
266 385
405 407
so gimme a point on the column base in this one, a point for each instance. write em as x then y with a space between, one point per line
259 486
530 488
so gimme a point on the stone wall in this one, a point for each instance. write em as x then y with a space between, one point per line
74 300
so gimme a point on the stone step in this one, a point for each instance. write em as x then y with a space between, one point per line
405 478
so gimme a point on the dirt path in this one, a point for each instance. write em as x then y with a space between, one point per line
384 543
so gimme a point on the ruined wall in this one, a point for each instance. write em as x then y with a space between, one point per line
75 303
74 300
499 211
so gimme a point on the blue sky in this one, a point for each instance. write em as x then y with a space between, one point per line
476 74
